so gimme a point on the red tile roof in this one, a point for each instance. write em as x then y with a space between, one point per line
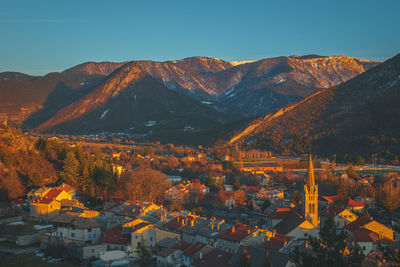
357 223
253 189
49 197
182 245
353 203
277 242
349 203
115 236
281 213
190 251
365 235
236 233
332 211
330 199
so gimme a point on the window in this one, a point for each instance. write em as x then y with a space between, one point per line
90 236
89 230
94 235
363 247
72 234
92 250
56 233
61 234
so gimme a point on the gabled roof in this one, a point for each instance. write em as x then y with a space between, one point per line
192 249
48 197
329 199
115 236
277 242
182 245
236 233
349 203
281 213
357 223
365 235
290 223
332 211
214 258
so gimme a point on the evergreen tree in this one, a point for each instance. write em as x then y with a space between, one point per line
70 172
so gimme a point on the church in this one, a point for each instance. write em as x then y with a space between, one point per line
304 222
310 197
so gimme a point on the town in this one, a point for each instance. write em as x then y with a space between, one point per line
166 205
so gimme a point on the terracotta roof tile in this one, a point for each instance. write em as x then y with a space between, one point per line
357 223
115 236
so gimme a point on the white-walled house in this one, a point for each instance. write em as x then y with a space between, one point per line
77 228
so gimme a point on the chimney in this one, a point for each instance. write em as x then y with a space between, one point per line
212 226
233 229
201 255
192 223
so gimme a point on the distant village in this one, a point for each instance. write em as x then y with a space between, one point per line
255 216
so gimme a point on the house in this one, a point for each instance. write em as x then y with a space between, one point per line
349 204
278 215
140 233
194 251
208 234
68 204
327 200
367 240
134 209
276 242
48 206
171 256
116 239
67 188
37 193
213 258
340 215
191 228
240 235
372 225
44 209
76 228
297 226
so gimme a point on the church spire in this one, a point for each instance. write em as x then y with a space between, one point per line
310 197
310 174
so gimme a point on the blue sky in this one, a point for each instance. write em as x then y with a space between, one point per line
38 37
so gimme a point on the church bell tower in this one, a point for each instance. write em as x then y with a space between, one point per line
310 197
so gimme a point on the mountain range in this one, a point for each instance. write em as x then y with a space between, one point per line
360 116
150 99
